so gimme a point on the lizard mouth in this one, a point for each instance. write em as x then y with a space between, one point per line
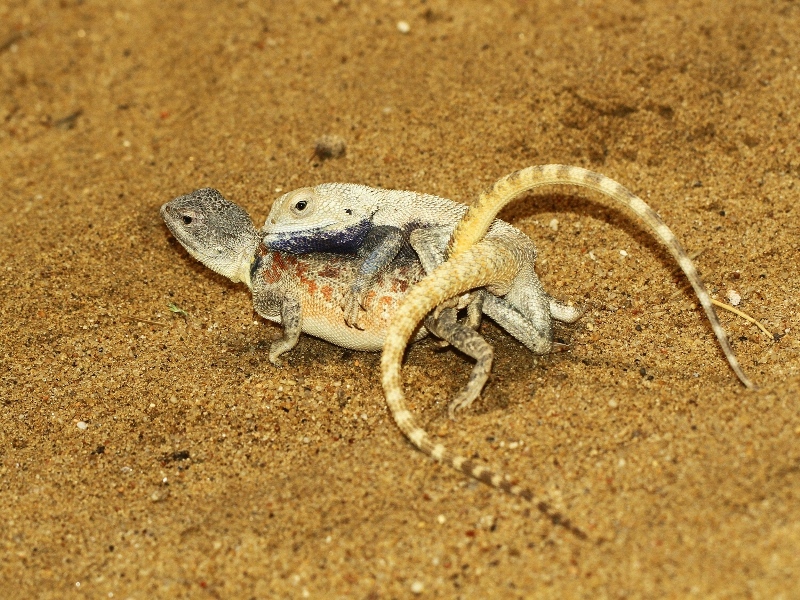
283 228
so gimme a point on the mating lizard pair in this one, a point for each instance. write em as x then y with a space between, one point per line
303 291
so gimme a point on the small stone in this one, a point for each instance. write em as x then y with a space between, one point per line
554 224
329 146
417 587
612 403
734 298
403 26
441 518
83 425
623 253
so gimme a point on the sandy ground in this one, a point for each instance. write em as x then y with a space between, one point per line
203 471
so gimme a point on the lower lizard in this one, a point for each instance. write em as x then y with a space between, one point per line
304 292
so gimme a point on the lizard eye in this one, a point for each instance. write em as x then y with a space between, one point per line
187 220
301 203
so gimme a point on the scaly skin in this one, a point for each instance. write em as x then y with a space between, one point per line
476 261
377 224
304 293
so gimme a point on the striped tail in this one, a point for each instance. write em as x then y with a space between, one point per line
480 265
480 216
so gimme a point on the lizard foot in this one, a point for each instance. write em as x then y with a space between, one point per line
464 399
352 305
277 349
564 312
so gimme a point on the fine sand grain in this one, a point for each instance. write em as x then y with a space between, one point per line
149 454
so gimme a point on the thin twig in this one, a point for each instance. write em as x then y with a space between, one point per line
744 315
140 320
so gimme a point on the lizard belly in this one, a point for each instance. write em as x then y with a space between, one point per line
323 316
321 282
342 335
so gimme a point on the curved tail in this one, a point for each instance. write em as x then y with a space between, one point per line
475 263
480 265
480 216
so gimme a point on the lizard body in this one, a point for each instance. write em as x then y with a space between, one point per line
338 217
478 261
303 293
222 236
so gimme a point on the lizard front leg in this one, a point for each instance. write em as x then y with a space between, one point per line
380 247
292 321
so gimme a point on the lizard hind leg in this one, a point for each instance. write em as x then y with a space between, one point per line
471 343
528 298
533 337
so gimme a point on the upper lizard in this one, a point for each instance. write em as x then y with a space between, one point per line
339 217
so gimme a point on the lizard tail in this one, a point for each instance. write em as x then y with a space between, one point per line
481 265
480 216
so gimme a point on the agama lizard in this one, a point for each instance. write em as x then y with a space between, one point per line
377 224
304 293
476 261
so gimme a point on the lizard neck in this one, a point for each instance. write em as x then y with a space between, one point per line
245 262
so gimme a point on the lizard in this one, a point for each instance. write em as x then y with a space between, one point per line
303 292
477 261
339 217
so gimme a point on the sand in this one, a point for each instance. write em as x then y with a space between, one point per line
146 454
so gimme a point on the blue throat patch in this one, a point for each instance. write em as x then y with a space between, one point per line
343 241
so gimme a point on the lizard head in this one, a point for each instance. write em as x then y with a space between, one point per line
214 231
326 218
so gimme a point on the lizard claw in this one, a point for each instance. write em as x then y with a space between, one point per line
462 400
352 305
